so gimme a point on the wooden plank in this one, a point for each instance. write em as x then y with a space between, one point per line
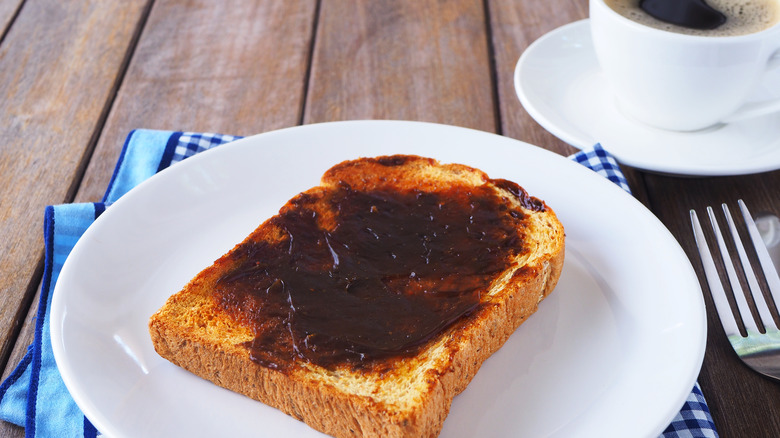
232 67
413 60
192 71
58 65
515 25
8 430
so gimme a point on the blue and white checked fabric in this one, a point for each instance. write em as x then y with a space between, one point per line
600 161
35 397
191 143
694 419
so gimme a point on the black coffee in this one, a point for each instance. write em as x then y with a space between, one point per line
693 14
742 16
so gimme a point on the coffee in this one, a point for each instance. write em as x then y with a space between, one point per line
742 16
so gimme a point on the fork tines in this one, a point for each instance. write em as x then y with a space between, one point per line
723 308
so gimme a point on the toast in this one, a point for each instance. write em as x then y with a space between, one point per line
371 300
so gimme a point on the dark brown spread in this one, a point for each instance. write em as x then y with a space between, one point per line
388 273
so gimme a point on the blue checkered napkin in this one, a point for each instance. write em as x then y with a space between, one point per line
187 144
600 161
35 397
694 419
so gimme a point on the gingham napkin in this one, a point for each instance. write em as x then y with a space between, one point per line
35 397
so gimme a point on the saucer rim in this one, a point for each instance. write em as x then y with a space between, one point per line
581 139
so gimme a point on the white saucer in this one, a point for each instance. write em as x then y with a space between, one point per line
559 83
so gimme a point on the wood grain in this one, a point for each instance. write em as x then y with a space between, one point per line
8 430
56 77
408 60
26 335
515 25
189 71
231 67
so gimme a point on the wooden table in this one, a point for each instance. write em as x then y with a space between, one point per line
77 76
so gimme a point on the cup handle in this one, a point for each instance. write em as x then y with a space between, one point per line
755 109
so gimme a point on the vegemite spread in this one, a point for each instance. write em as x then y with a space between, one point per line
385 274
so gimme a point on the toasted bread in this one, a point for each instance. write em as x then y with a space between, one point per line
313 314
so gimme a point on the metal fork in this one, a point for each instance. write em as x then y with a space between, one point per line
759 349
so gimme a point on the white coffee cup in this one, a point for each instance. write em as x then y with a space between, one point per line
683 82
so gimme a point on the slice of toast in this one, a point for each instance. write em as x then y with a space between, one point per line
369 301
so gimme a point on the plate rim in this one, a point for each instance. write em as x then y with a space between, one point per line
57 317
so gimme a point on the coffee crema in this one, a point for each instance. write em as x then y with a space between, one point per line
742 16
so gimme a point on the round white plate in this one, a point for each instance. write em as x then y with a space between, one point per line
559 83
614 351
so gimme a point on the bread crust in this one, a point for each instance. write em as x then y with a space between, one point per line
190 332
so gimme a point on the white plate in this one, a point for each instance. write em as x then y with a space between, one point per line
559 83
614 351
